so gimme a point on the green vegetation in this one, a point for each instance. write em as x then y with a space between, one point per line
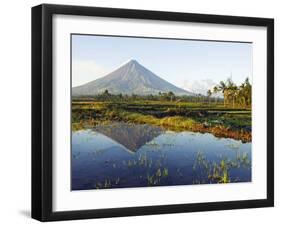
179 116
217 172
224 117
228 117
155 179
157 173
233 94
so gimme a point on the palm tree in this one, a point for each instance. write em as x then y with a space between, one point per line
231 90
248 92
234 94
223 88
245 93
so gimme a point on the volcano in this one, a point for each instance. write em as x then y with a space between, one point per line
130 78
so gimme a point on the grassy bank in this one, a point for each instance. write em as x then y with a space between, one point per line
216 119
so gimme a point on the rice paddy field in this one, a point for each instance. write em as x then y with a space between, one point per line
158 143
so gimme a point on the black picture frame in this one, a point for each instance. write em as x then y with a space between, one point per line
42 111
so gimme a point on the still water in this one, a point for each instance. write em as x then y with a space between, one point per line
129 155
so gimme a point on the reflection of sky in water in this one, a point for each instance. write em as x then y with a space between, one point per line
162 158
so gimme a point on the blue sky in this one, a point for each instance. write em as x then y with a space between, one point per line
192 65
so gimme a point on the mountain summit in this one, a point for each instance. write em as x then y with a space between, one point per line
130 78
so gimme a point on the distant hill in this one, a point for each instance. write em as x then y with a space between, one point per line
130 78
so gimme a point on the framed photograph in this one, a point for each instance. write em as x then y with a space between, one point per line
145 112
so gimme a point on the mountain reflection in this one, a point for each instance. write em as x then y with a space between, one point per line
131 136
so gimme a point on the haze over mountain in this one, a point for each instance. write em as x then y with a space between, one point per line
130 78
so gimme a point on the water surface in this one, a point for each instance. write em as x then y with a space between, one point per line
128 155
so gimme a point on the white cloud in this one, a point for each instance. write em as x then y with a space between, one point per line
199 86
84 71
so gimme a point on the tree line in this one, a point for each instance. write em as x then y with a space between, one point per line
161 96
232 94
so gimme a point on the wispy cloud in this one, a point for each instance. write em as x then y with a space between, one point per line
199 86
